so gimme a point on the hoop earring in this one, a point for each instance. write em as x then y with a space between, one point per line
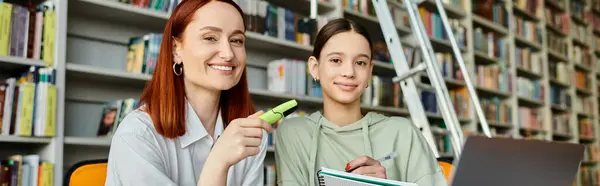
177 66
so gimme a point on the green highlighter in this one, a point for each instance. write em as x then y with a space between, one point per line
279 112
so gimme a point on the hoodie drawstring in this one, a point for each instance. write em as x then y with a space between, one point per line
315 143
366 139
313 152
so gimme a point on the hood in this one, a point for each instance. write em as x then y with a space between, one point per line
325 126
371 118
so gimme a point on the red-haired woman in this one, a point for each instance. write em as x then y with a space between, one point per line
195 125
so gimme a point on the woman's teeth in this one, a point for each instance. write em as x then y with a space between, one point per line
228 68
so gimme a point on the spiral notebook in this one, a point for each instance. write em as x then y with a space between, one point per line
330 177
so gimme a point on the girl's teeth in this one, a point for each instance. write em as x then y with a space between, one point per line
221 67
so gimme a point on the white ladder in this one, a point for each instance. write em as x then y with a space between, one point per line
430 65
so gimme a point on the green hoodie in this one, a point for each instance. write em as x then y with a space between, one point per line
305 144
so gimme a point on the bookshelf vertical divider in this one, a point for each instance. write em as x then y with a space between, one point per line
80 34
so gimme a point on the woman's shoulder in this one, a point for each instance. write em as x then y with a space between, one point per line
395 122
137 122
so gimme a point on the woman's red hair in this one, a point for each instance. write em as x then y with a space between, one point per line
164 95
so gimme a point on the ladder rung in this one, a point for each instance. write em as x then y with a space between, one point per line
420 67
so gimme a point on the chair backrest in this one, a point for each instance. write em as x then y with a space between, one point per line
446 165
87 172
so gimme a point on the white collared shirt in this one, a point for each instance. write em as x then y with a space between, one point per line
140 156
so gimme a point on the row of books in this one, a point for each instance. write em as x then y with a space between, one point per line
458 97
559 71
526 29
26 170
592 153
580 32
559 97
435 28
529 118
582 81
583 105
557 44
28 103
270 175
493 10
589 175
113 113
290 76
448 66
269 19
530 89
595 22
443 143
496 110
560 124
166 6
365 7
582 56
586 128
529 60
496 77
490 43
27 30
528 5
557 20
578 8
142 53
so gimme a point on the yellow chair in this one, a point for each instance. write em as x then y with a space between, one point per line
446 165
87 173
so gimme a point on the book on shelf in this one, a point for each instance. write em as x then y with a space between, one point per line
578 9
586 128
529 60
557 44
496 110
591 153
490 44
581 56
29 104
583 105
560 124
365 7
527 30
142 53
560 97
495 77
166 6
530 89
579 32
589 175
531 6
26 170
435 28
28 30
530 118
555 19
582 81
113 113
492 10
560 71
268 19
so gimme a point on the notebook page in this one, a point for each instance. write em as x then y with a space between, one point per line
336 181
362 179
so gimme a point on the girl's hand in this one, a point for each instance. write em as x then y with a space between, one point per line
367 166
241 138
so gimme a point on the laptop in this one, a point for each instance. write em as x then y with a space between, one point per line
515 162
